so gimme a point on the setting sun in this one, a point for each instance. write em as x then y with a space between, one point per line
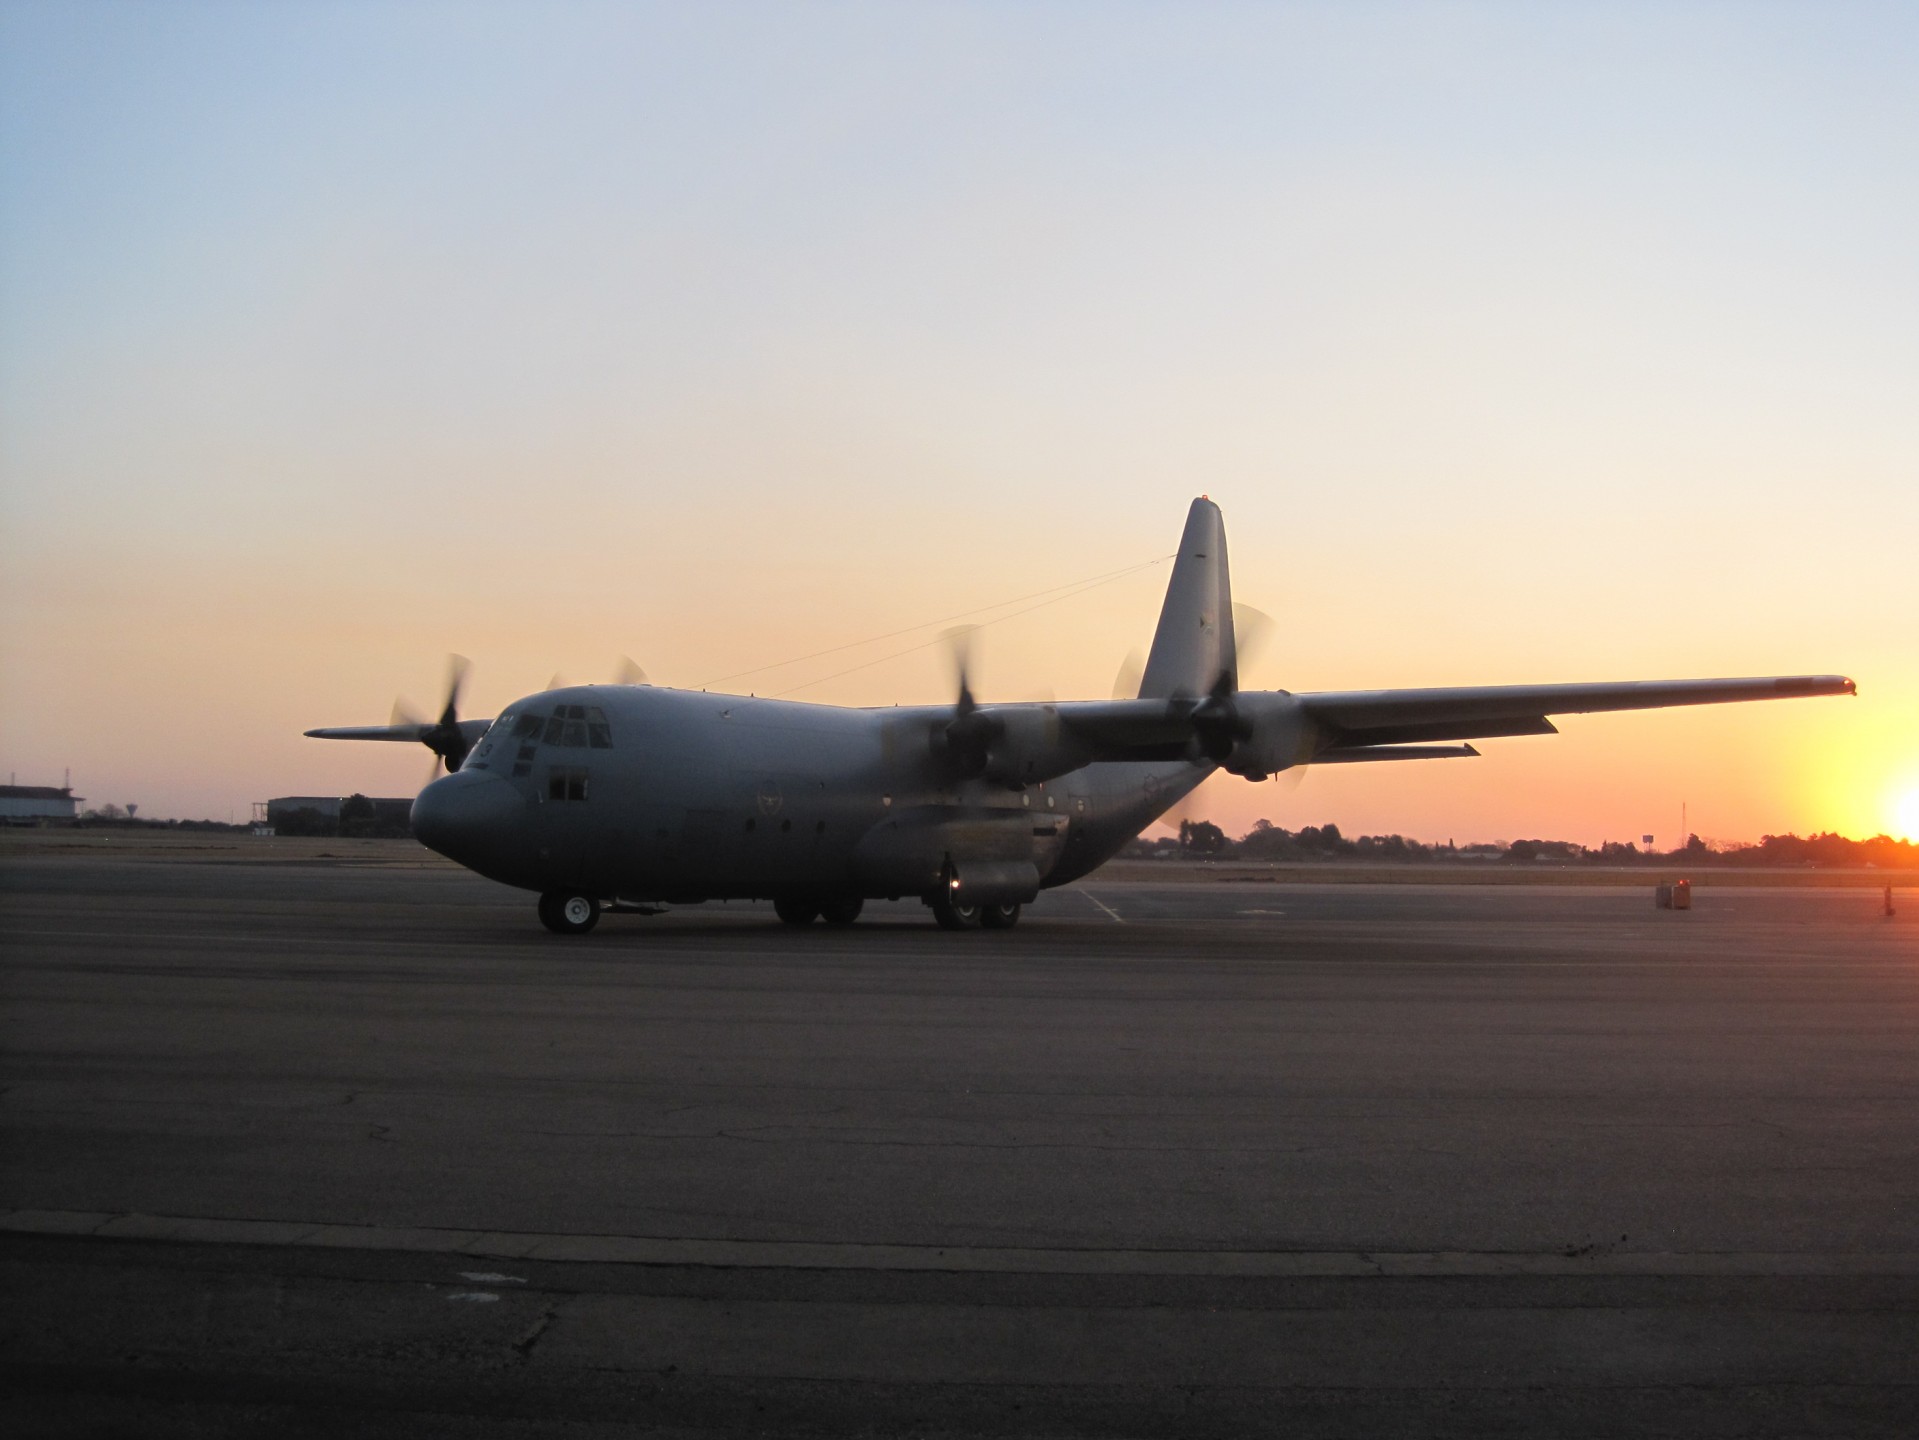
1905 815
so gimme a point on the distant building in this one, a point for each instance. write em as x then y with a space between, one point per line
325 806
334 815
37 804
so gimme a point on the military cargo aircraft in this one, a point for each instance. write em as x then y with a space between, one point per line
636 797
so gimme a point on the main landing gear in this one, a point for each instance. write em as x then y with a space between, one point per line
952 913
567 912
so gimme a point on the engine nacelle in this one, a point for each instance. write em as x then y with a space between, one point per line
1272 733
1010 747
1032 746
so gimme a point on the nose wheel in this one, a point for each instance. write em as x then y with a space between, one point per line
567 912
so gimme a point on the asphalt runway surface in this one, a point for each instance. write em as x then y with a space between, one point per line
324 1147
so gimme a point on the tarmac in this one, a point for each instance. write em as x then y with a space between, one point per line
310 1143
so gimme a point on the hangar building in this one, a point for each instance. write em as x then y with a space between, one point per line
37 804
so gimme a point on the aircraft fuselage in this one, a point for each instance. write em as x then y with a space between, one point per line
654 794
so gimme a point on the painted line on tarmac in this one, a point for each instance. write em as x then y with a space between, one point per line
1111 913
808 1255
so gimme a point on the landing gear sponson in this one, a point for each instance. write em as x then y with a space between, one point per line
568 912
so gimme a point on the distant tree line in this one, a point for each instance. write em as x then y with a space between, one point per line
1203 840
122 817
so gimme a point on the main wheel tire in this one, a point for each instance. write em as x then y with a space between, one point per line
999 917
842 912
953 913
796 912
567 912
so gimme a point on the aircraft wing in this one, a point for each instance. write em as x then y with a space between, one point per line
1354 718
1260 731
416 733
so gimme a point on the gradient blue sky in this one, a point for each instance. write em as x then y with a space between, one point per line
1518 342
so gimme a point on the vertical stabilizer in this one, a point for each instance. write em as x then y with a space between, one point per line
1194 642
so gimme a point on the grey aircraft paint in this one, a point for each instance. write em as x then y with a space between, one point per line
645 794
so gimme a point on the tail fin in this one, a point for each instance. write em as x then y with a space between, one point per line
1194 645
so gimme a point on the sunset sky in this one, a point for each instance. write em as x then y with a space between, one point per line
1517 343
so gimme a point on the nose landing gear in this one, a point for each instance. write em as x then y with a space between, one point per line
567 912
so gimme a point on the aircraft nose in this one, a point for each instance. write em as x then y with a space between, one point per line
464 815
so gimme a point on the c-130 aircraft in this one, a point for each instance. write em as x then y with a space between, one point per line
635 797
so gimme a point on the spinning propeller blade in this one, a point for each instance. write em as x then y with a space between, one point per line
445 738
1253 632
959 647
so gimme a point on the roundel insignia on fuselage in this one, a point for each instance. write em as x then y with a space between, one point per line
769 798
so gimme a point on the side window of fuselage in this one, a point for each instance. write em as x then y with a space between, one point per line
566 783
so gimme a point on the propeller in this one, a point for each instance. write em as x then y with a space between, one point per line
1131 671
629 672
965 738
959 649
1217 723
443 736
1253 632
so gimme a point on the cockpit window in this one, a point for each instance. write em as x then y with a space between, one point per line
527 726
476 759
572 727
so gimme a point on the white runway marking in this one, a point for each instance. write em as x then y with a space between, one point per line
1114 914
1262 912
487 1277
